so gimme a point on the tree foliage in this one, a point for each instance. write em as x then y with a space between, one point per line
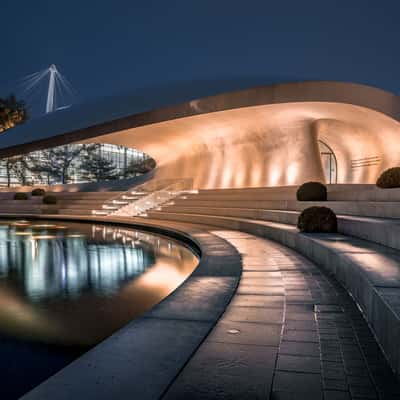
95 167
139 167
17 167
54 163
64 164
12 112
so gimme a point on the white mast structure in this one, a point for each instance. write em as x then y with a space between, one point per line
50 106
53 82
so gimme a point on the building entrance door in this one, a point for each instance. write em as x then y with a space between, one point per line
329 163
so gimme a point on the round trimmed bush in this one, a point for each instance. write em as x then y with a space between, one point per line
49 199
389 178
317 219
312 191
38 192
20 196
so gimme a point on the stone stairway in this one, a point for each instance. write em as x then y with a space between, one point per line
115 203
137 200
81 203
68 203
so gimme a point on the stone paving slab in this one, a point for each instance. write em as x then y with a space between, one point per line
246 333
260 315
195 299
227 371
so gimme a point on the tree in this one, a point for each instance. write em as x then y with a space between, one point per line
97 168
139 167
55 163
41 165
17 167
8 164
12 112
61 158
20 169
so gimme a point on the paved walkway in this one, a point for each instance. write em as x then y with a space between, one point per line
290 332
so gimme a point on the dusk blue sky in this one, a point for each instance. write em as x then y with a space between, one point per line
204 47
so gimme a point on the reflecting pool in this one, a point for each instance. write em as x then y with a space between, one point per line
66 286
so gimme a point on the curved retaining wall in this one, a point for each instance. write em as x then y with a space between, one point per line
144 357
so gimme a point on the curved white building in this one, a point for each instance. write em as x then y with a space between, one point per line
280 134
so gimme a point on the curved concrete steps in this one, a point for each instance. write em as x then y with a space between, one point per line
369 271
378 230
68 203
346 192
380 209
75 211
372 193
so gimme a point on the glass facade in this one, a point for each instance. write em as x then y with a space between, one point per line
29 165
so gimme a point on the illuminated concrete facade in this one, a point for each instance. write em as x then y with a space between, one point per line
252 138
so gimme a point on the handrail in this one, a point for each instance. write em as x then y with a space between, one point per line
155 198
145 187
144 191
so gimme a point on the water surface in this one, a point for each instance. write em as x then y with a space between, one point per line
66 286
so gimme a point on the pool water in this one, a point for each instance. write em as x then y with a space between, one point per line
64 287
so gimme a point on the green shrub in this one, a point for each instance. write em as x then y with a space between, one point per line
389 178
317 219
312 191
20 196
38 192
49 199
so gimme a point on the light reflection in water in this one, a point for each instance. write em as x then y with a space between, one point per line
77 283
56 265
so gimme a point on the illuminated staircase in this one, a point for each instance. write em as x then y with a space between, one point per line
148 196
